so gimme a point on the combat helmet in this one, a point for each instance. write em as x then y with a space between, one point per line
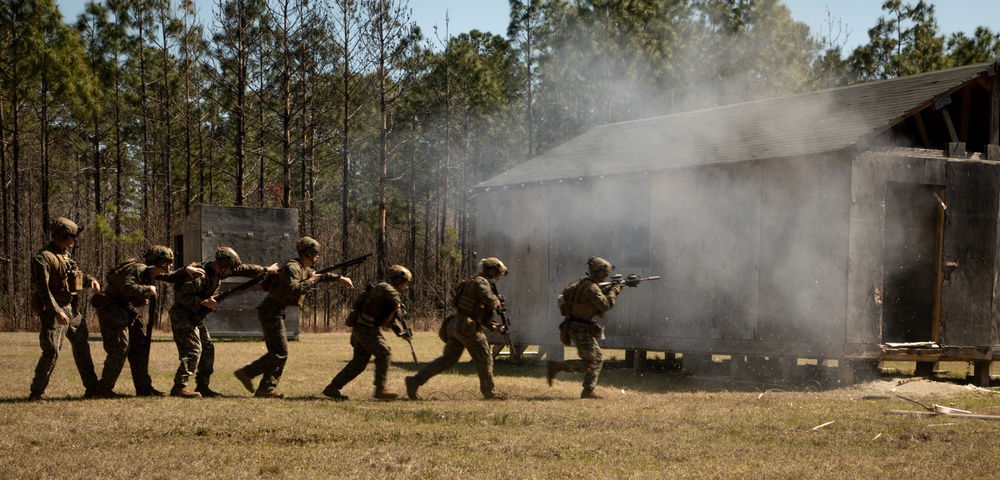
397 274
307 246
598 266
63 228
226 257
158 255
492 266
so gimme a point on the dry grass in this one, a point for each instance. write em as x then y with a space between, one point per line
650 425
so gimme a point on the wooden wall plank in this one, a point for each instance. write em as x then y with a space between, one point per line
968 317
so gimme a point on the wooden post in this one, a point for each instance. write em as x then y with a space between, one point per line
639 360
981 373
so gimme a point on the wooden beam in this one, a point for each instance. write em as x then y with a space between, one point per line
922 130
995 111
948 123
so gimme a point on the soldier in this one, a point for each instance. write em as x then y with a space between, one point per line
287 289
130 286
580 302
56 279
475 301
194 344
378 307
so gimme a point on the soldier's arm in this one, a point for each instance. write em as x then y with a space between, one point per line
485 291
601 301
134 287
40 274
291 276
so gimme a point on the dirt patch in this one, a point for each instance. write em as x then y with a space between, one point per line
914 387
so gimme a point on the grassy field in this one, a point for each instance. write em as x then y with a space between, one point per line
650 425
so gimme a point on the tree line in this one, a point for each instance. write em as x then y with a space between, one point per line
127 117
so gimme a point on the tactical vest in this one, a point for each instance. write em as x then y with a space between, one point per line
117 277
466 300
279 290
573 300
376 309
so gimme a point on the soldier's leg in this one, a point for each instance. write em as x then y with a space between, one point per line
138 357
272 363
590 352
580 334
114 323
206 364
186 337
50 339
379 348
354 367
79 339
482 358
449 357
276 339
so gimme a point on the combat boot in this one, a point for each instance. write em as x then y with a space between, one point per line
207 392
412 384
334 393
589 393
495 396
383 393
183 392
152 392
551 369
245 379
268 394
106 393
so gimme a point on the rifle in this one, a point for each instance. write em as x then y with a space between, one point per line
629 281
204 311
405 332
149 321
345 264
504 321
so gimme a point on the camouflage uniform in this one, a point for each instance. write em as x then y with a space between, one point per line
377 309
587 300
122 328
194 344
473 304
56 280
289 290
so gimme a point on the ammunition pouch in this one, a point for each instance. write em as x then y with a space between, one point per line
596 330
564 332
352 318
74 281
443 329
100 300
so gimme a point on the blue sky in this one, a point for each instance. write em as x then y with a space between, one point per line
855 16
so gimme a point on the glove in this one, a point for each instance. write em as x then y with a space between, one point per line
632 280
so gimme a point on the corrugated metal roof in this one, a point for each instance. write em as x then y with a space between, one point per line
798 125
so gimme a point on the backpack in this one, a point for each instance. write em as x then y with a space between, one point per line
359 303
567 297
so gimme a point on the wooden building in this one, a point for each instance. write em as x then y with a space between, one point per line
845 227
259 235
